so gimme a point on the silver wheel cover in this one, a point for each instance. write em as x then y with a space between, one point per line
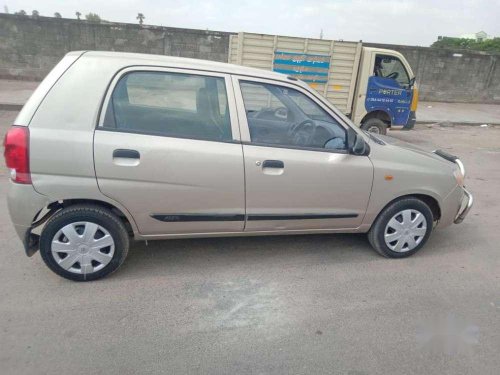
83 247
405 230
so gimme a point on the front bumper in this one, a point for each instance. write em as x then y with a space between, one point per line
467 200
465 206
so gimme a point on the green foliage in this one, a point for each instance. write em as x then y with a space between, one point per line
57 15
35 13
21 13
491 45
93 17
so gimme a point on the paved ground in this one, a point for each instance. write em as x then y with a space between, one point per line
322 304
13 94
471 113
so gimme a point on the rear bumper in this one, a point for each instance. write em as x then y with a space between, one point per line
465 206
24 204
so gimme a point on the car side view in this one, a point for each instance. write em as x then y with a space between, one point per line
113 146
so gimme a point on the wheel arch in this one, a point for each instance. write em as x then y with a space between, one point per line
429 200
432 203
127 219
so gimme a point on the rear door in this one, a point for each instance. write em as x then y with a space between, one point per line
167 148
299 175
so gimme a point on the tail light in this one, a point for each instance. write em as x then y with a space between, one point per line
16 144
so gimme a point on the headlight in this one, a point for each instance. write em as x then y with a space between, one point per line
459 176
460 166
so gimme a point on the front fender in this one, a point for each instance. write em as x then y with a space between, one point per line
400 172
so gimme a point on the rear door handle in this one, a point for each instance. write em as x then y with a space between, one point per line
128 154
273 164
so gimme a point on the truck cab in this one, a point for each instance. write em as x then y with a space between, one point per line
386 93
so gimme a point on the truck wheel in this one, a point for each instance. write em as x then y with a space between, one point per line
84 242
375 125
402 228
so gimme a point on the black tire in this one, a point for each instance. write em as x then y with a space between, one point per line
375 125
85 213
377 231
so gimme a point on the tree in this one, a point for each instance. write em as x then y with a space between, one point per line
35 13
78 14
6 9
21 13
93 17
492 45
140 17
57 15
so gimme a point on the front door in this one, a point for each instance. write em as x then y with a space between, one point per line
168 150
389 89
298 172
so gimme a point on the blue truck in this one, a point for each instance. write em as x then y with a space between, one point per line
375 87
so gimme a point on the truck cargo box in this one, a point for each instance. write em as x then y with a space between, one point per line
329 66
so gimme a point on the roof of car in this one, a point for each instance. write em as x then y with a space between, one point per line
183 62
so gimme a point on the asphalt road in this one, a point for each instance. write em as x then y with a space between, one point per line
321 304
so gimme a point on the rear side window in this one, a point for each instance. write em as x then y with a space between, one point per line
170 104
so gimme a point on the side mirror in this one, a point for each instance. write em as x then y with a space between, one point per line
359 147
412 82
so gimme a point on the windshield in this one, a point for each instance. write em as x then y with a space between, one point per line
391 67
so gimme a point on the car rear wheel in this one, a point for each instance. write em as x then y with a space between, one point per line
402 228
84 242
375 125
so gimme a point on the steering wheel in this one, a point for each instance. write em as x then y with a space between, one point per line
393 75
300 134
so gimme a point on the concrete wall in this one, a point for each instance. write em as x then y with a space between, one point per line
29 48
453 75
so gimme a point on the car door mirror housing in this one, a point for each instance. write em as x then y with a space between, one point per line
360 147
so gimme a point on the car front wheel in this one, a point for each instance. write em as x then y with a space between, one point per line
84 242
402 228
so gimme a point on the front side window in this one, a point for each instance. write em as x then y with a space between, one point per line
170 104
391 67
282 116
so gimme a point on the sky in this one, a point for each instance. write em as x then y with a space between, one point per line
411 22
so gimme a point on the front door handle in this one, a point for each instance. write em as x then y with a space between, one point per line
273 164
128 154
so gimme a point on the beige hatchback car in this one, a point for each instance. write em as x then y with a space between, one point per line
115 145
